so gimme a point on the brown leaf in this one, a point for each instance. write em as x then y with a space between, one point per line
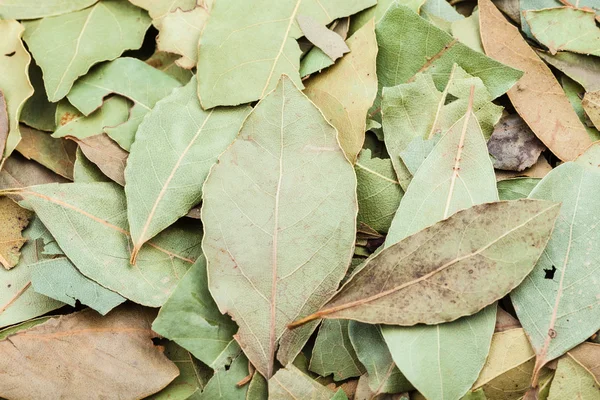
83 355
591 105
588 355
19 172
328 41
4 127
513 144
13 219
539 170
106 154
55 154
537 96
505 321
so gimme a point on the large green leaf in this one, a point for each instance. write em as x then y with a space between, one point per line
33 9
83 215
66 46
14 81
282 194
191 318
372 351
430 356
290 383
333 353
557 304
408 44
465 262
128 77
59 279
246 46
573 381
196 138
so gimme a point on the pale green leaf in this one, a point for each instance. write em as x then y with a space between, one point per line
517 188
328 41
179 170
82 215
165 62
283 193
467 31
159 9
441 14
32 9
333 353
408 44
585 70
246 46
429 356
573 381
67 46
126 77
85 171
378 191
465 262
340 395
59 279
191 318
558 304
574 93
71 122
223 384
372 351
565 29
180 32
14 81
18 301
346 91
290 383
258 389
378 11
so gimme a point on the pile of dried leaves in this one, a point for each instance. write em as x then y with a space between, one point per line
299 199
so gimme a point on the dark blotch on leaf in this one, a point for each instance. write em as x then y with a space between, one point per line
549 273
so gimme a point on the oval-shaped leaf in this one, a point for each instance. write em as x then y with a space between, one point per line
279 214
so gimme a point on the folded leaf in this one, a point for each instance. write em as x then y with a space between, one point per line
82 215
120 358
126 77
66 54
246 46
538 97
346 91
279 215
196 138
59 279
449 270
13 219
557 304
290 383
191 318
14 81
32 9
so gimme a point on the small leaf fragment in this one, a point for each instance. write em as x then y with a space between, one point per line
328 41
290 383
106 154
13 219
55 154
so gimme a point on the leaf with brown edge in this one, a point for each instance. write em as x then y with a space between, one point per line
591 105
279 213
588 355
451 269
3 122
111 356
106 154
13 219
537 97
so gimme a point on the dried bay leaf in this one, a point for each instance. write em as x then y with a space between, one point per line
55 154
59 279
573 381
120 358
378 191
346 91
467 31
328 41
540 169
14 82
315 60
537 97
557 303
400 278
18 172
333 353
591 105
402 37
516 188
165 62
371 349
440 13
588 355
180 32
565 29
59 52
223 384
191 318
127 77
4 128
32 9
37 111
574 93
289 198
513 145
246 46
196 138
81 215
583 69
159 9
290 383
86 171
13 219
106 154
378 11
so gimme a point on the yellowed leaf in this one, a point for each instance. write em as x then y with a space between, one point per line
13 219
